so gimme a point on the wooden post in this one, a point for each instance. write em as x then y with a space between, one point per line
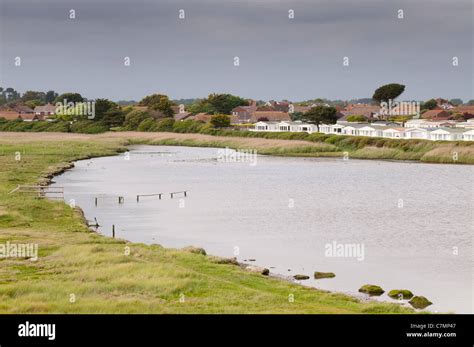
95 201
113 231
171 195
159 196
138 198
185 193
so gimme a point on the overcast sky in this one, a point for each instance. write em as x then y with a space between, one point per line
280 58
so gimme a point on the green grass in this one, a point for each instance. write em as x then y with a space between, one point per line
95 270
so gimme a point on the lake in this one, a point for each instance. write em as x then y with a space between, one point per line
399 225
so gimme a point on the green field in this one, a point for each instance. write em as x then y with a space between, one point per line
79 271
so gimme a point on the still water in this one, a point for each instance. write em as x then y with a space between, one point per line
397 225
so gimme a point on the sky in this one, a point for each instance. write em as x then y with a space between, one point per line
296 58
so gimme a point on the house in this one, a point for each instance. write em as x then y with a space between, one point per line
366 110
181 116
297 127
272 116
9 115
417 123
331 128
436 115
27 117
301 109
369 131
393 133
266 126
468 135
447 134
202 117
466 111
285 126
244 113
206 118
46 110
418 133
384 123
280 106
467 124
22 109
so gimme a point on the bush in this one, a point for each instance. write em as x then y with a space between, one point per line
88 127
164 125
187 126
356 118
133 119
220 121
146 125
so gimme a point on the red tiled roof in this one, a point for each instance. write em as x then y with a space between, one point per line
270 115
9 115
436 115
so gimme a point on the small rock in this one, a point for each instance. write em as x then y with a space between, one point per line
196 250
371 289
318 275
420 302
301 277
400 293
257 269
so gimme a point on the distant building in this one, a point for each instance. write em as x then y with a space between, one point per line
270 116
46 110
181 116
244 113
437 115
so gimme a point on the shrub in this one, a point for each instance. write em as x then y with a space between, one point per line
134 118
220 121
88 127
356 118
165 124
146 124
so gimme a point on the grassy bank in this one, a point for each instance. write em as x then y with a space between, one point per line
96 272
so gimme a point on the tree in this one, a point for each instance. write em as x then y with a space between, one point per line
455 102
50 96
31 95
321 114
296 116
429 105
356 118
134 118
159 102
220 121
388 92
102 106
470 102
69 97
33 103
114 117
217 104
